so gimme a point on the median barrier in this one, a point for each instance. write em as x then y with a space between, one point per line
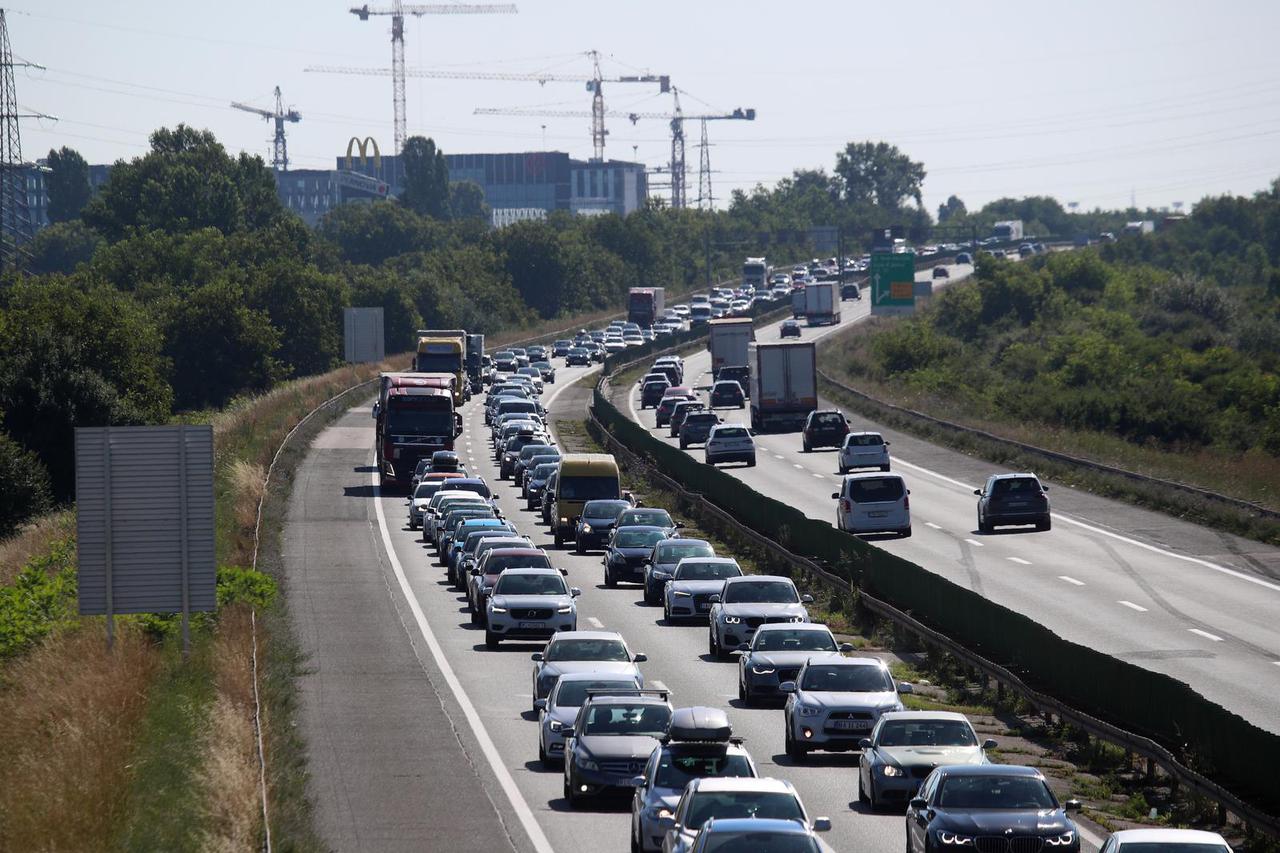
1198 740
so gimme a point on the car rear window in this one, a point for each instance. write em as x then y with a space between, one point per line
673 552
865 441
724 805
571 694
676 771
604 509
830 419
731 432
1016 485
656 517
876 489
701 418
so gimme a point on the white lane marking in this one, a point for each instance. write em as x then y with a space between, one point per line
1206 635
796 465
508 784
1020 561
1132 606
819 476
595 623
934 526
974 542
1155 549
1070 580
782 458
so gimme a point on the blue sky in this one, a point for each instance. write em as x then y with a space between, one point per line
1094 102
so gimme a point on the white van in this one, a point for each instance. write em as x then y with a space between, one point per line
874 503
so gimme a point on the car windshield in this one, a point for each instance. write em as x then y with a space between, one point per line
846 678
518 406
676 771
794 641
926 733
531 450
522 584
426 490
726 387
585 649
995 792
457 516
497 563
761 592
697 571
760 841
674 552
627 720
544 470
1170 847
865 441
637 538
638 517
731 432
742 804
588 488
571 694
479 488
1016 486
876 489
604 509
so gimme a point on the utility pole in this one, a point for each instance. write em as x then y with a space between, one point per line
704 171
16 228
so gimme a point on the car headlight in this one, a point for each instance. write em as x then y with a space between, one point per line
797 618
660 813
568 608
951 839
757 669
679 593
1063 840
556 726
588 764
889 770
658 574
493 608
586 528
731 620
808 710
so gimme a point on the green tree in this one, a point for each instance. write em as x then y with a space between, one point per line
63 246
952 207
186 182
25 488
67 183
373 233
466 201
426 178
878 173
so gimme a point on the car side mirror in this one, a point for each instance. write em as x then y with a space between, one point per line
1072 805
540 704
918 803
715 598
978 492
864 743
1044 488
887 443
846 647
679 524
536 656
989 744
744 647
575 592
822 824
905 687
787 687
637 781
806 599
835 496
639 657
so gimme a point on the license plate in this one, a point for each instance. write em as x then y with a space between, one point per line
1016 504
877 514
704 606
532 625
850 725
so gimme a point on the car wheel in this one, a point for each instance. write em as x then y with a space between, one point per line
862 790
795 751
683 444
559 539
475 616
577 547
711 644
807 448
751 463
609 580
884 467
873 802
744 695
985 526
491 640
905 532
1045 524
543 758
636 847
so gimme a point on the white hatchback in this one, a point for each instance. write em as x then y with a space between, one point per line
730 443
864 450
874 503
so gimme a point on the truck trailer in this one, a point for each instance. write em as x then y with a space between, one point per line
645 305
475 360
1007 231
784 384
755 273
727 342
822 303
415 416
444 351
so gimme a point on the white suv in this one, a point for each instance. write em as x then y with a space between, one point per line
864 450
730 443
874 503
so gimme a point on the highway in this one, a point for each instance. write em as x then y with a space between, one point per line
1173 596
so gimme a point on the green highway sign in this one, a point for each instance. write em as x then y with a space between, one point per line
893 278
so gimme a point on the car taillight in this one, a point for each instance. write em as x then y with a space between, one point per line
846 505
906 502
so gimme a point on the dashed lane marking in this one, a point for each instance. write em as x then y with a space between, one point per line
975 542
934 526
1205 634
1132 606
1020 561
1070 580
595 623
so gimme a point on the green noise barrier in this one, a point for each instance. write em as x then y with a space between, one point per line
1200 733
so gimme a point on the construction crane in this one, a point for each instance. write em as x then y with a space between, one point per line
397 10
676 118
594 81
279 149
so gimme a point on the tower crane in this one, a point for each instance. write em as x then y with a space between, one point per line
676 118
594 82
279 150
397 10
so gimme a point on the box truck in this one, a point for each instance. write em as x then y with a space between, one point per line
727 342
645 305
784 384
822 303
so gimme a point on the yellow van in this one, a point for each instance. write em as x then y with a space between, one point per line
582 477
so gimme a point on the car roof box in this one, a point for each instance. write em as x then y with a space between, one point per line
700 724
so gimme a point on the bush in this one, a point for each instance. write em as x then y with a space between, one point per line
25 488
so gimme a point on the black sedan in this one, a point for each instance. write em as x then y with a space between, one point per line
727 393
850 291
989 807
596 524
941 272
628 551
790 329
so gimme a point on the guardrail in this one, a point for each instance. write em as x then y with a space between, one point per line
1052 455
1148 713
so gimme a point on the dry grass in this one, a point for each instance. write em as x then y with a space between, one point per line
33 540
70 714
248 481
229 770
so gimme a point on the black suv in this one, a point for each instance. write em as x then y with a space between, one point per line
824 429
737 373
696 427
850 291
1013 499
727 393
